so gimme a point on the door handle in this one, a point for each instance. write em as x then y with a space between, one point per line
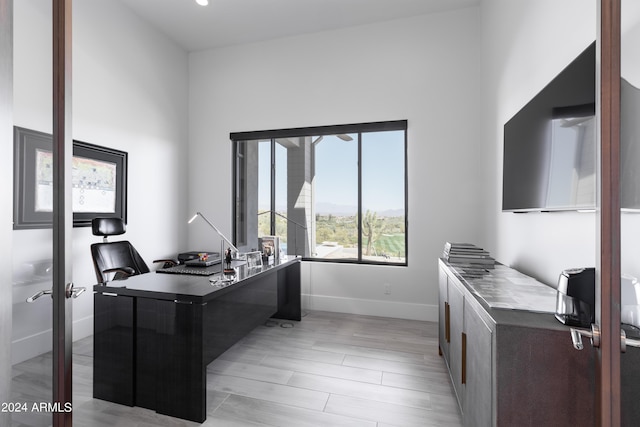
70 291
594 334
578 333
624 341
38 294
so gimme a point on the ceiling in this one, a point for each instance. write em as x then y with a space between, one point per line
234 22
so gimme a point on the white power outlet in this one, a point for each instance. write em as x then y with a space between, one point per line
387 288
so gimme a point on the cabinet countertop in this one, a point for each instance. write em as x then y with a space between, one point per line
502 287
495 290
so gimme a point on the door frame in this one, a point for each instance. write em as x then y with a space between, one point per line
62 215
608 393
6 191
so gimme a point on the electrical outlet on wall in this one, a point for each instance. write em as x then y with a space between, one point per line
387 288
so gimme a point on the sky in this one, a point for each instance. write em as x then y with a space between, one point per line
336 180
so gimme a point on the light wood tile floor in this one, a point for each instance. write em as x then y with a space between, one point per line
330 369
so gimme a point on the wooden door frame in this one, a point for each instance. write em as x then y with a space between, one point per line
608 239
62 214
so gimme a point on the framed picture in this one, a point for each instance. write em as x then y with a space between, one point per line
270 246
98 181
254 259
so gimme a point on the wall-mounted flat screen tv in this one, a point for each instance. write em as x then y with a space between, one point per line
629 146
549 159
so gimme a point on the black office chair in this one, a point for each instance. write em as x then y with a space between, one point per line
116 260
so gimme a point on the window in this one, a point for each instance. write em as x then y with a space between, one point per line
333 193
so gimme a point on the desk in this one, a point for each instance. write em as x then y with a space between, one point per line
154 334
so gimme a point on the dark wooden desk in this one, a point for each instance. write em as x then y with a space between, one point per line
154 334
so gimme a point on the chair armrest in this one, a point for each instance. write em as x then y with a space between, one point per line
121 272
167 262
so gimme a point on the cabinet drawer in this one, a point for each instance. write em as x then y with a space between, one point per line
456 299
444 330
477 370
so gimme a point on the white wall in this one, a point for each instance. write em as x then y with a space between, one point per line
424 69
525 44
129 93
630 70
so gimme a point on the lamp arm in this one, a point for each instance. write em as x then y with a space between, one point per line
282 216
222 236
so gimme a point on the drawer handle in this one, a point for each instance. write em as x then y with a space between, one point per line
464 358
447 322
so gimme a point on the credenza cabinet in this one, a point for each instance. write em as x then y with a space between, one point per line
465 343
510 367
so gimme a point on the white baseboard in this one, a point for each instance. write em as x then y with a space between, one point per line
31 346
41 342
34 345
82 328
399 310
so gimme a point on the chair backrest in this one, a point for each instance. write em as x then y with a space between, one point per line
114 255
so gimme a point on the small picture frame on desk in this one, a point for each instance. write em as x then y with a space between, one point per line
270 247
254 259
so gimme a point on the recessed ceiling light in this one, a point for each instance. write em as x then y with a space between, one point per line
202 2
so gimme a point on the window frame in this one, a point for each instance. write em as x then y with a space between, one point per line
359 129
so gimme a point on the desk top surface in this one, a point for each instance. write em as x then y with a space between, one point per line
185 287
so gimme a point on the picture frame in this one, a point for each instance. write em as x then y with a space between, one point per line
99 181
269 246
254 259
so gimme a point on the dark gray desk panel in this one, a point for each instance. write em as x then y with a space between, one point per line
158 332
289 294
115 344
170 367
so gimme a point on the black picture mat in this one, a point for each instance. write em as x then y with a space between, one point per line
26 143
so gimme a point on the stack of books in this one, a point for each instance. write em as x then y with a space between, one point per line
467 253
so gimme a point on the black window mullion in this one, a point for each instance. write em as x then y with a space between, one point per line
406 199
359 196
234 207
272 215
239 194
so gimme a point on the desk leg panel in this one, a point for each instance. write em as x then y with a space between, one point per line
174 354
235 314
147 354
289 305
113 349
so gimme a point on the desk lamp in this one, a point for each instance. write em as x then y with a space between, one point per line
226 255
295 235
